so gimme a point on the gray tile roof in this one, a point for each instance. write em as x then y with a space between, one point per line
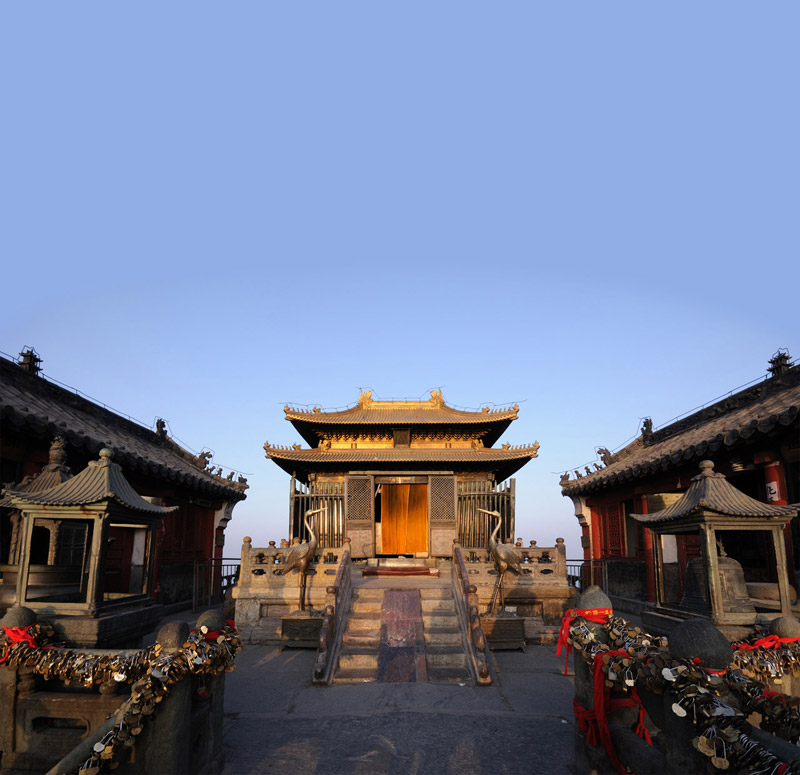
711 491
31 405
753 413
101 480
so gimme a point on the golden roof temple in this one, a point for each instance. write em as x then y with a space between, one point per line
402 477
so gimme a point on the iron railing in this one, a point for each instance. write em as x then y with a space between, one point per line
213 578
583 573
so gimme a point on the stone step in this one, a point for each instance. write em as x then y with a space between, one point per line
441 636
358 658
436 592
368 593
365 620
436 674
445 657
438 605
362 638
439 619
354 675
363 606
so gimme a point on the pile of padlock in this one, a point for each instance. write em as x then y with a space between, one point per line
149 672
646 662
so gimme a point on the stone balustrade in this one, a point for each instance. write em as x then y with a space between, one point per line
51 721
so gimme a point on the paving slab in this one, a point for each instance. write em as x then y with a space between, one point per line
276 721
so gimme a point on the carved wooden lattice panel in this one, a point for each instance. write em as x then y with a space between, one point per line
611 522
360 500
442 498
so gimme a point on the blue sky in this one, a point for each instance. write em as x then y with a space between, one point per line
590 209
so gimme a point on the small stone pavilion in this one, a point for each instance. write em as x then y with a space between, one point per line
716 588
86 551
402 477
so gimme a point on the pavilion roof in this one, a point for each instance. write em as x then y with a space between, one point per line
100 481
711 491
505 460
744 416
35 406
53 474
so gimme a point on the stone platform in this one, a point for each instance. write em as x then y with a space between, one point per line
276 721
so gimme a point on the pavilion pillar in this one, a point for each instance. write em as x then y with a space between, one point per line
708 536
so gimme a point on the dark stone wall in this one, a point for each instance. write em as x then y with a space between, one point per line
175 583
627 585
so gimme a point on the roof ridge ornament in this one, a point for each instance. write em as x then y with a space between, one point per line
365 399
707 469
57 455
29 360
437 399
780 363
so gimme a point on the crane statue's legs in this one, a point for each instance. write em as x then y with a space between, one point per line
493 603
302 591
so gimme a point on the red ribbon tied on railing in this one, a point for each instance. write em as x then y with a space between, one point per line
596 615
767 642
212 635
18 635
603 705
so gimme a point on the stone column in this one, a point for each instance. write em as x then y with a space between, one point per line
165 743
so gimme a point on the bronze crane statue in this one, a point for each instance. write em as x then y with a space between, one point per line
505 558
300 556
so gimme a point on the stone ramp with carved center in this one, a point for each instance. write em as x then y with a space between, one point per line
399 635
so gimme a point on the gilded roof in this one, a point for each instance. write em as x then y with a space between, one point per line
369 411
747 415
506 460
710 491
30 404
101 480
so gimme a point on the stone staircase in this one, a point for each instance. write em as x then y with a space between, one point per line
444 645
361 640
424 639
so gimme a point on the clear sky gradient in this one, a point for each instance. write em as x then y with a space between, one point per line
209 210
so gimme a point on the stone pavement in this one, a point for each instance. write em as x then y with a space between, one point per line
276 721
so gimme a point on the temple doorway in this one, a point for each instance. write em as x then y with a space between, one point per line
404 518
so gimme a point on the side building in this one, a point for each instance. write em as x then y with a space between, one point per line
753 438
402 477
49 433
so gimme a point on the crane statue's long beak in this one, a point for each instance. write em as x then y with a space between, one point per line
491 513
316 511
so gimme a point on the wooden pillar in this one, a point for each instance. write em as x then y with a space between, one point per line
649 560
658 565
